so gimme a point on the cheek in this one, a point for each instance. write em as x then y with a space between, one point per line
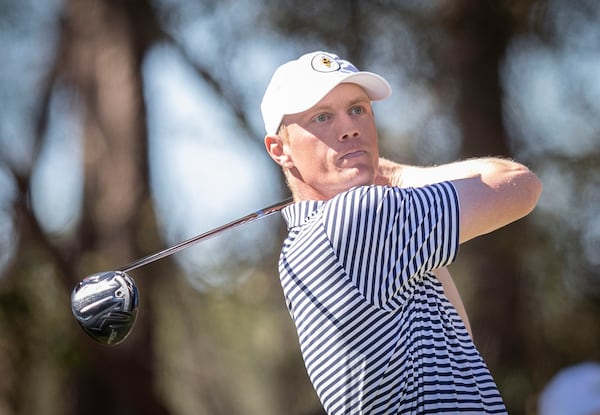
308 153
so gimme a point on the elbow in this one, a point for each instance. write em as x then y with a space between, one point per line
531 190
537 191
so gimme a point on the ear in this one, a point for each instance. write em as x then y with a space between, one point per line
278 150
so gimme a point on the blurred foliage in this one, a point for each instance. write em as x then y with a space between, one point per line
516 79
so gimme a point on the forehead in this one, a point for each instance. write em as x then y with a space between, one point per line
344 91
343 94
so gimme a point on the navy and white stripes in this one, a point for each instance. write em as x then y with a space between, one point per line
376 332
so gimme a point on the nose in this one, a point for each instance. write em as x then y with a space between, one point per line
348 129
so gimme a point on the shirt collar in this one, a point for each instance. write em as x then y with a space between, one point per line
299 213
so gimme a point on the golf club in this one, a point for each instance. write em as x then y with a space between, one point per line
105 304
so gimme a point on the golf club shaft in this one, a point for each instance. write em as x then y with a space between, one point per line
194 240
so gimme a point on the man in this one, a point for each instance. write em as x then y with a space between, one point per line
367 238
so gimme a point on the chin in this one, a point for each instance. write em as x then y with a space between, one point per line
361 178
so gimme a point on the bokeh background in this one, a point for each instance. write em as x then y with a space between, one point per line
130 125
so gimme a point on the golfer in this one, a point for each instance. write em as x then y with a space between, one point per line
368 244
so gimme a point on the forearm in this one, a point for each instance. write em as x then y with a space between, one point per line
444 277
403 175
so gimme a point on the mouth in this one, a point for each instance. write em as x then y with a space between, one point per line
353 154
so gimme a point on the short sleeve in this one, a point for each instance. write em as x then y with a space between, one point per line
388 237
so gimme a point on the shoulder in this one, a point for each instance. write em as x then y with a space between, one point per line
377 197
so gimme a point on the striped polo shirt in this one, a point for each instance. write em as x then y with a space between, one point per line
377 333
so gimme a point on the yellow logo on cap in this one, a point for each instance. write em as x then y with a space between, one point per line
325 63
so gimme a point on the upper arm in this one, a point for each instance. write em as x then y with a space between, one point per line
492 191
494 199
385 236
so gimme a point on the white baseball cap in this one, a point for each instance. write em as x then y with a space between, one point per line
299 84
573 391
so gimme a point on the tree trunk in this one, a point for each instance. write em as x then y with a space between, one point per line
101 58
472 55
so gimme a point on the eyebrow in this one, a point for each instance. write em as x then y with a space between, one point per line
351 103
308 114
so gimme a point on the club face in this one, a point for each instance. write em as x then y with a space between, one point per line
105 306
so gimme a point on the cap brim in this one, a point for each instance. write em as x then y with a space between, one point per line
376 87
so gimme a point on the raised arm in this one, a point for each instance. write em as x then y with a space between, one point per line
492 192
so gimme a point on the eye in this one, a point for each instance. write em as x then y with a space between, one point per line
357 110
321 118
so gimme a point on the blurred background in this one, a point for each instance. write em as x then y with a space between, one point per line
129 125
